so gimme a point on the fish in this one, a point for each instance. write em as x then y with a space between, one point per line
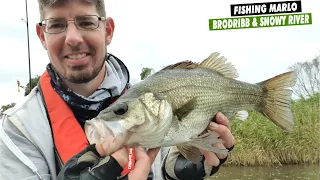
174 106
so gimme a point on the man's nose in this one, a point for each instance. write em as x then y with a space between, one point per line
73 35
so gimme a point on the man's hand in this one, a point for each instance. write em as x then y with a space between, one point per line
177 167
143 163
223 128
90 164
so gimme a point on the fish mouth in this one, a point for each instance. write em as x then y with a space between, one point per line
108 133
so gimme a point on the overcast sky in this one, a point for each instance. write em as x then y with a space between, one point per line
161 32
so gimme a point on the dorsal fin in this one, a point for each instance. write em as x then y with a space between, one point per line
182 65
212 62
218 63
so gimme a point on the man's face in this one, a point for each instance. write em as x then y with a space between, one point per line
77 55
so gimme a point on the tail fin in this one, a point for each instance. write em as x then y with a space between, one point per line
277 100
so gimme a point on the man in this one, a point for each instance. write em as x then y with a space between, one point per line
43 138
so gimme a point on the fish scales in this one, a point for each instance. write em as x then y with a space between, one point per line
176 84
173 106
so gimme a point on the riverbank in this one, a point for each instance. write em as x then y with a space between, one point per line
260 142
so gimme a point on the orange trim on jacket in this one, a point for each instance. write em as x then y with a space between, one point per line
69 137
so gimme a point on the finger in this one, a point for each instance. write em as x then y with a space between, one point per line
121 156
223 120
211 158
220 146
152 153
224 132
142 165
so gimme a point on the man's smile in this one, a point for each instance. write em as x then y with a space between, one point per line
76 59
77 56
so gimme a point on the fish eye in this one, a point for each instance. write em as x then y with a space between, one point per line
120 109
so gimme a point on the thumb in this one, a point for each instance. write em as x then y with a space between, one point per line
152 153
121 156
143 163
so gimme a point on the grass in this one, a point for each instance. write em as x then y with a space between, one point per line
260 142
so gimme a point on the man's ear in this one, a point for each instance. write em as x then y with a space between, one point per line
109 30
40 34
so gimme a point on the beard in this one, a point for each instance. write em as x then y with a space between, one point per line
79 74
83 77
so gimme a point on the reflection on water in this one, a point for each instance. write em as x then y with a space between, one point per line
292 172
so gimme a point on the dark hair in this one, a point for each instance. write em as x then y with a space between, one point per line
43 4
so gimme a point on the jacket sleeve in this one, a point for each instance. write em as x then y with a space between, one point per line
176 167
89 165
29 164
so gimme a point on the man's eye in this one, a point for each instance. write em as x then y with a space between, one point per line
56 25
86 24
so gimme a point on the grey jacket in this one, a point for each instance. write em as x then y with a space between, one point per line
26 144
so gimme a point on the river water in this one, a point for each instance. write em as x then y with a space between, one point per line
287 172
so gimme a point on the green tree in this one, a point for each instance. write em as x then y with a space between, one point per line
145 72
5 107
34 82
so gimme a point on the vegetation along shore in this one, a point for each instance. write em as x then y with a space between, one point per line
260 142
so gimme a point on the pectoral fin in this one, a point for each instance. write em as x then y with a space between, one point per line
206 141
190 153
190 150
185 109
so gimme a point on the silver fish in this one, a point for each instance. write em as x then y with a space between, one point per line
174 105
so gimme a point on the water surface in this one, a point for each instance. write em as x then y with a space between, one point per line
287 172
